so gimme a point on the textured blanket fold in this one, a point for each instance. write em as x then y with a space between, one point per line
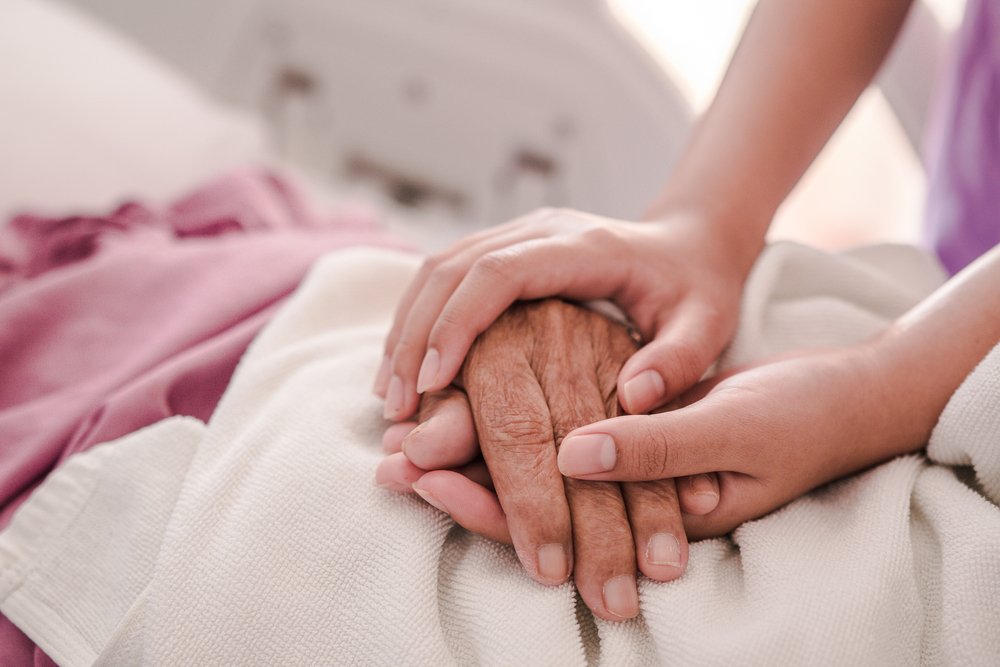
259 538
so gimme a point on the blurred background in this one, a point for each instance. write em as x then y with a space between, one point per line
868 184
454 114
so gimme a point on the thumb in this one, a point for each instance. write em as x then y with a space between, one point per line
700 438
679 355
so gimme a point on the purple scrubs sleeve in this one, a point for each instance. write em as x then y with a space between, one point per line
963 207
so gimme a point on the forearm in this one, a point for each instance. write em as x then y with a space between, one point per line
797 71
928 352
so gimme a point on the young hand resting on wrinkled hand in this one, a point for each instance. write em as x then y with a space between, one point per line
678 275
540 371
775 430
783 427
679 280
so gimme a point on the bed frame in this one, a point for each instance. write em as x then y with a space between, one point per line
455 110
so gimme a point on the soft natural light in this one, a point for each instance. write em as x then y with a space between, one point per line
948 12
866 186
693 40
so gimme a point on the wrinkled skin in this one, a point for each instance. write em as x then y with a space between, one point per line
543 369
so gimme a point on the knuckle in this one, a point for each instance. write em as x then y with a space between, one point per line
575 408
406 353
683 359
493 265
523 436
598 500
449 319
601 236
564 212
526 493
430 264
598 514
652 453
550 317
557 310
557 214
446 274
537 521
490 354
653 461
654 498
525 430
529 490
514 333
565 215
390 343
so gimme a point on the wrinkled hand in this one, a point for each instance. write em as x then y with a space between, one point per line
679 280
541 370
773 432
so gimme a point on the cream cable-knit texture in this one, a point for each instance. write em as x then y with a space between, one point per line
260 539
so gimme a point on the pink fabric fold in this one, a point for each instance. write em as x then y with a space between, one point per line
111 323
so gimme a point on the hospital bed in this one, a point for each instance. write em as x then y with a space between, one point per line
450 114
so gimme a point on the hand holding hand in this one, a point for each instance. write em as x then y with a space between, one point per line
773 432
540 371
678 279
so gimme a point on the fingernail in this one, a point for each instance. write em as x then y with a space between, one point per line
621 597
552 563
643 391
431 500
701 485
382 376
663 549
587 454
394 397
428 370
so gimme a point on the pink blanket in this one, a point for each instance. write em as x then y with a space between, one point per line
108 324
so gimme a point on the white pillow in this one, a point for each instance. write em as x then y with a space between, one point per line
87 118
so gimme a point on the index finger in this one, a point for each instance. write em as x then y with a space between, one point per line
515 434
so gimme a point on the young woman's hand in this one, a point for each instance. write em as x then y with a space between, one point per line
782 427
773 432
678 279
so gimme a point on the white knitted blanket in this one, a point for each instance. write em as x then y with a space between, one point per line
260 539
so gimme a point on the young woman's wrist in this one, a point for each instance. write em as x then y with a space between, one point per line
735 238
924 356
909 395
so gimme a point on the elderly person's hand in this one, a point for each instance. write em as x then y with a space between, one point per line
541 370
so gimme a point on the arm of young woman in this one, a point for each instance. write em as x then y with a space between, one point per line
798 69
